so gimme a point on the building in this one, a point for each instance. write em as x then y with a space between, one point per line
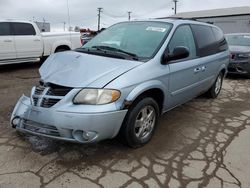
43 26
230 20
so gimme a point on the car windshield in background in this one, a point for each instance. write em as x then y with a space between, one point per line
238 40
137 39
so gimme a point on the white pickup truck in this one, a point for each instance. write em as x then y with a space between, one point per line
21 41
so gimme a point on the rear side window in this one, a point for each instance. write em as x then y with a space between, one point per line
205 39
5 29
221 41
23 29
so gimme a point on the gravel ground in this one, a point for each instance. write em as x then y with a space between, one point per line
204 143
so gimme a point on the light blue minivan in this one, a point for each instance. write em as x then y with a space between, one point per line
121 81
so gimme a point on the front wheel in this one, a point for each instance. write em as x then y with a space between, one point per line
140 123
214 91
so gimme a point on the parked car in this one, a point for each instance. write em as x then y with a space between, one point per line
120 82
239 47
86 37
21 41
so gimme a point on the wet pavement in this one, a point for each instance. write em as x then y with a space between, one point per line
204 143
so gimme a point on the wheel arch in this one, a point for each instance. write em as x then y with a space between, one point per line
223 70
154 89
65 47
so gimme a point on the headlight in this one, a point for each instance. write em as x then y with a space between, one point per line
96 96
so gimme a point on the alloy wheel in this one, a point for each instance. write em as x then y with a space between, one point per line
145 122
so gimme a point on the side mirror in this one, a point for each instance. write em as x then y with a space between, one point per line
180 52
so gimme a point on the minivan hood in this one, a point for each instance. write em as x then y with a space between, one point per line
241 49
75 69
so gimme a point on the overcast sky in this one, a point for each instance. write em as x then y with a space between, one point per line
84 12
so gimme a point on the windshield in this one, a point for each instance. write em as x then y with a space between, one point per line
238 40
141 39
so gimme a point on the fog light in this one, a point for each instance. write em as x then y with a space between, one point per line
15 121
83 136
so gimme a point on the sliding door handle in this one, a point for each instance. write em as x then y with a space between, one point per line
203 68
196 70
7 40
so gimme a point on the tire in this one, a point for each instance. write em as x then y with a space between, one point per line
134 134
248 76
42 59
60 50
214 91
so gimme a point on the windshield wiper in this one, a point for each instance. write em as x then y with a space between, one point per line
134 56
82 50
95 51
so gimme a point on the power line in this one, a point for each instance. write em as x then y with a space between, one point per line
114 15
99 17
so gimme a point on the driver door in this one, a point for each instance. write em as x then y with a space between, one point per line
184 73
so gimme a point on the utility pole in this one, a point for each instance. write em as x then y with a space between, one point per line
44 22
175 6
129 15
64 24
99 17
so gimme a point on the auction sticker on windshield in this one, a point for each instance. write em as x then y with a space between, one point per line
158 29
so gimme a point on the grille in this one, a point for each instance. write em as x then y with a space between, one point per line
48 96
40 128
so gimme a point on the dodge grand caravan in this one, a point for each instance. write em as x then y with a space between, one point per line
121 81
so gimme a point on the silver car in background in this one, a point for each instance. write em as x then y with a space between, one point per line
120 82
239 47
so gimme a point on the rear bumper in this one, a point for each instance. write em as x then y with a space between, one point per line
73 127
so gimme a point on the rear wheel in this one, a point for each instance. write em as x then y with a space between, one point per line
214 91
248 76
140 123
61 49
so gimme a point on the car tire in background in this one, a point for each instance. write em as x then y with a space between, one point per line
140 122
248 76
62 49
214 91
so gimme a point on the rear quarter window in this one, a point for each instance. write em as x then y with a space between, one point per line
23 29
221 41
206 40
5 29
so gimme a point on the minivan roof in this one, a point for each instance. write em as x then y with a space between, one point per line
178 21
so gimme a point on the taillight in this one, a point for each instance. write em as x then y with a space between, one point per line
82 41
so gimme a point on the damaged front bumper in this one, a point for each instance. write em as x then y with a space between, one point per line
68 126
239 67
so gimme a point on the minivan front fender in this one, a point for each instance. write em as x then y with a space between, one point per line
143 87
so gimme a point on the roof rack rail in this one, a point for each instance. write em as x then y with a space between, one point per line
178 18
